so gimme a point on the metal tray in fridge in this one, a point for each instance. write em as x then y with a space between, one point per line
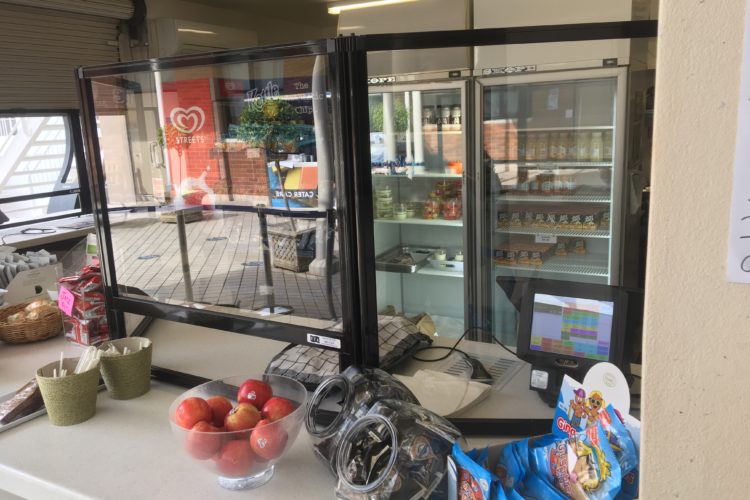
455 266
403 259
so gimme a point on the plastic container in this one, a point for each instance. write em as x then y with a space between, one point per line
452 209
342 399
431 209
413 445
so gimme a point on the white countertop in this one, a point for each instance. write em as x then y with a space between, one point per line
127 449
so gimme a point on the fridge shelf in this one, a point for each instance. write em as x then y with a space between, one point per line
568 198
586 265
565 129
429 271
430 175
553 232
426 175
434 131
424 222
555 164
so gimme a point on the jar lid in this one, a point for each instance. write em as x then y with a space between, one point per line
337 389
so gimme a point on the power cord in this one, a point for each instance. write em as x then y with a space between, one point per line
504 346
451 350
479 372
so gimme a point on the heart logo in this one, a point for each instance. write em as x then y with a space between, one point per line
187 120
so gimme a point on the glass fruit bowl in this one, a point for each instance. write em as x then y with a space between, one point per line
243 450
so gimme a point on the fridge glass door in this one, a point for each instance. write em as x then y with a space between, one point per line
417 147
549 155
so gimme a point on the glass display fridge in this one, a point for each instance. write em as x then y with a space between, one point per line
551 152
418 152
469 200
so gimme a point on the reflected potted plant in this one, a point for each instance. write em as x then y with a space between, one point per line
273 125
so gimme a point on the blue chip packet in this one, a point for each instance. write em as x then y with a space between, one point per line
629 489
513 465
536 488
582 466
619 439
474 481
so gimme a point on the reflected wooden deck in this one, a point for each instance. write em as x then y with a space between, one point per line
226 264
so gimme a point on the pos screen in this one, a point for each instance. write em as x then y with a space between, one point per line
576 327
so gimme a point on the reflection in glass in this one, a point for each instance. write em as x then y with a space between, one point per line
549 146
417 150
190 155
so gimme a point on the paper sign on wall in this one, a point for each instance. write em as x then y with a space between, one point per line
738 256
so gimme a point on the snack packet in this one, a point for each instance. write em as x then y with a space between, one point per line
475 482
513 466
581 467
619 439
574 411
630 480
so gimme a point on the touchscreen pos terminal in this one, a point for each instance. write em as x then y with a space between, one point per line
565 328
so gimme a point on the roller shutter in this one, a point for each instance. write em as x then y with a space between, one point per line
42 44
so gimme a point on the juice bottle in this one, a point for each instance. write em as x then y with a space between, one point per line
596 149
583 146
569 147
531 141
607 149
554 146
542 147
521 146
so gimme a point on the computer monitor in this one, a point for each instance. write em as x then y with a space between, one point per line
567 327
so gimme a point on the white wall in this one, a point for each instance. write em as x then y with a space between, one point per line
513 13
696 394
265 30
507 13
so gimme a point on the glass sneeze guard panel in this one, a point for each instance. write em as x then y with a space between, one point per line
190 156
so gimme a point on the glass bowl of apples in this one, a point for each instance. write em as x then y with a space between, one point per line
239 427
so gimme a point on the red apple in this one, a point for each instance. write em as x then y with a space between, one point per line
203 440
235 459
243 417
268 440
276 408
254 392
191 411
219 408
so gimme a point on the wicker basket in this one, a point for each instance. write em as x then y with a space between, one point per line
293 250
48 325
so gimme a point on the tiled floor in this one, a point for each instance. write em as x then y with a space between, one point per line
226 264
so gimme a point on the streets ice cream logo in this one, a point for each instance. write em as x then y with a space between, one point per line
187 120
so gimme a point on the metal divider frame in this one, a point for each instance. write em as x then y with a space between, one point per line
474 38
340 58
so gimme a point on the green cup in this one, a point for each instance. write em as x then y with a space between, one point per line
71 399
127 376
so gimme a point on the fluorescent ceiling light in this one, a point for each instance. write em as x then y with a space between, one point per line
338 9
200 32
